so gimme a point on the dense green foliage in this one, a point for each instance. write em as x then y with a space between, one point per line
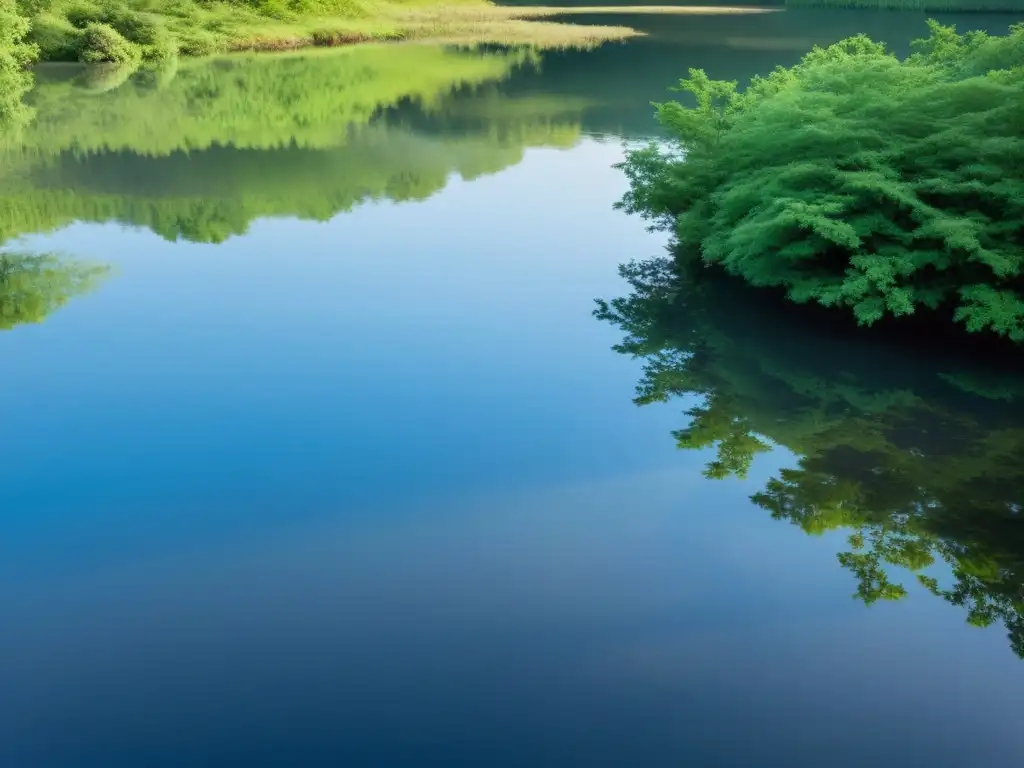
857 180
202 154
125 30
920 458
120 31
101 43
33 286
15 56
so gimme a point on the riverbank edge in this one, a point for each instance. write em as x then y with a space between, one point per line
470 22
491 24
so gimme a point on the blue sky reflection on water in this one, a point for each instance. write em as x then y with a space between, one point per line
378 355
373 492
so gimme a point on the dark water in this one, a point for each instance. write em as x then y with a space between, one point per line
319 457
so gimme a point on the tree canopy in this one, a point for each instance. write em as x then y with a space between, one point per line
857 180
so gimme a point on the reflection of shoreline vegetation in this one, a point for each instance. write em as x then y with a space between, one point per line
128 32
857 181
33 286
209 196
913 457
228 141
254 102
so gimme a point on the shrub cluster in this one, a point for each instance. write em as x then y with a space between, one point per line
113 33
856 180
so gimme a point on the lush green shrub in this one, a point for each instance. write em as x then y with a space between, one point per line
13 30
81 14
102 43
15 56
140 28
199 42
856 180
164 46
57 38
147 30
67 35
63 30
30 8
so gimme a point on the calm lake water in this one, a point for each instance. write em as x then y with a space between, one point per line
326 460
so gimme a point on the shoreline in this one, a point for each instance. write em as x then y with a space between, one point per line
220 28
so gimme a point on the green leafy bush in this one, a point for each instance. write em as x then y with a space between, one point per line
146 30
199 42
15 56
856 180
102 43
81 14
141 28
56 37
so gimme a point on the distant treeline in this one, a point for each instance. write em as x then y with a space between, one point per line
951 6
672 3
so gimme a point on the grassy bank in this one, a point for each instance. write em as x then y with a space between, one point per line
123 31
126 31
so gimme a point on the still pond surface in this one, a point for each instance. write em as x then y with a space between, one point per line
320 457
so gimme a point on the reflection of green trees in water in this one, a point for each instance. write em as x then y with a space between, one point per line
202 149
201 154
921 460
209 196
33 286
311 100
